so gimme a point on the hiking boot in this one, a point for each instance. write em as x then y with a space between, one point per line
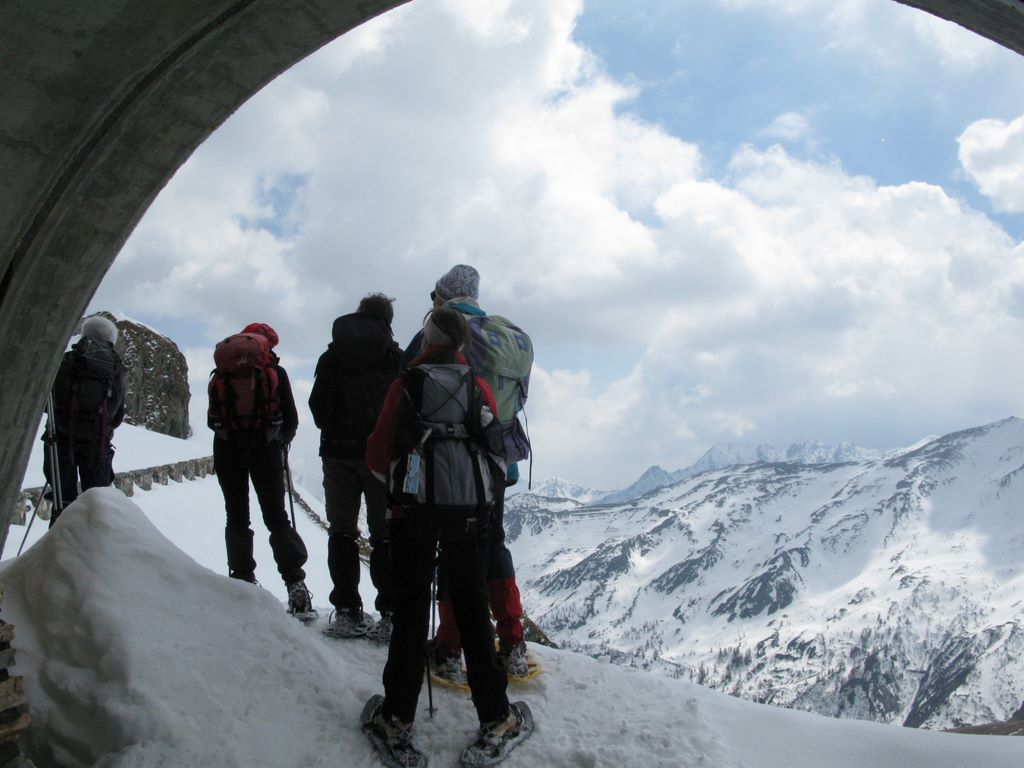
348 622
300 601
499 737
380 631
391 737
516 663
446 664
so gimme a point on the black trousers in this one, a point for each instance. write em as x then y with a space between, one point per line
90 460
414 546
235 464
346 482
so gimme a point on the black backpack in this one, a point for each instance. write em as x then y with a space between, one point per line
95 389
445 463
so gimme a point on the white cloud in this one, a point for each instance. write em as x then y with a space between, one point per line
992 153
789 126
785 299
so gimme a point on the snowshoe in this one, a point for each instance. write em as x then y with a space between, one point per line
446 667
300 602
390 737
380 631
348 623
497 739
516 662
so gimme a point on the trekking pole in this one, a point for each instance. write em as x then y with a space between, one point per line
426 648
288 479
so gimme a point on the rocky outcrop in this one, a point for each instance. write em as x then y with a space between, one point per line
156 379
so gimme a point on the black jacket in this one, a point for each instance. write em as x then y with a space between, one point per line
286 401
352 377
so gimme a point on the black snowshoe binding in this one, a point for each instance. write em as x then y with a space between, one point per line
300 602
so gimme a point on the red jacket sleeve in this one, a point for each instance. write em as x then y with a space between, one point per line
488 395
378 444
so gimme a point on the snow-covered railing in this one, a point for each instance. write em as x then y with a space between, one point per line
127 482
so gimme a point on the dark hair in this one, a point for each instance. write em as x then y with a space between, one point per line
378 305
451 323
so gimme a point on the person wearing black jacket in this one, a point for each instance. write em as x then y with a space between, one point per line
352 377
88 403
258 454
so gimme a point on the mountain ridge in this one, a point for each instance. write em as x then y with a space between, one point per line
881 588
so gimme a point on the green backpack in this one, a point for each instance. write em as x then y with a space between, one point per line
501 353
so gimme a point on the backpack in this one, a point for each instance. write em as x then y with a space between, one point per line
243 389
502 354
95 388
445 464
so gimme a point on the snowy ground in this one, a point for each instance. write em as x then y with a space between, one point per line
138 652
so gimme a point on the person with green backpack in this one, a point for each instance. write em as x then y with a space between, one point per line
501 353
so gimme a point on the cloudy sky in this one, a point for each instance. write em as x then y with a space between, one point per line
750 221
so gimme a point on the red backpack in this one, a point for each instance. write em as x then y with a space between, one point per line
243 387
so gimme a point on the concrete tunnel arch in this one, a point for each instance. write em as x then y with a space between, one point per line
101 102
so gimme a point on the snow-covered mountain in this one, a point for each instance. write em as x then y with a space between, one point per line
722 455
886 588
556 488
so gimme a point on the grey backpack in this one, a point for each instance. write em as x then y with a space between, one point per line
446 461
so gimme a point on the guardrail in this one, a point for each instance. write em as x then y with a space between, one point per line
127 482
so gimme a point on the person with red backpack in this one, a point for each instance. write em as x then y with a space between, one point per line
502 354
438 446
352 377
88 405
253 417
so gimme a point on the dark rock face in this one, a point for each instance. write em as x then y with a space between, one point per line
156 379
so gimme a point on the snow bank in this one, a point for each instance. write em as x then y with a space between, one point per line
136 656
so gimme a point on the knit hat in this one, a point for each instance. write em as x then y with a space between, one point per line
263 330
460 280
446 328
100 328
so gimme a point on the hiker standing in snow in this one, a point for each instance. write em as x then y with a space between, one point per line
88 404
352 377
459 289
438 446
253 417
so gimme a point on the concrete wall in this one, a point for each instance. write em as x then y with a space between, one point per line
101 101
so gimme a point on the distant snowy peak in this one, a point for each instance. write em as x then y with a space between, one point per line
651 480
723 455
556 488
813 452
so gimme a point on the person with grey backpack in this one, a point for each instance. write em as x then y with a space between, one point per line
438 447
